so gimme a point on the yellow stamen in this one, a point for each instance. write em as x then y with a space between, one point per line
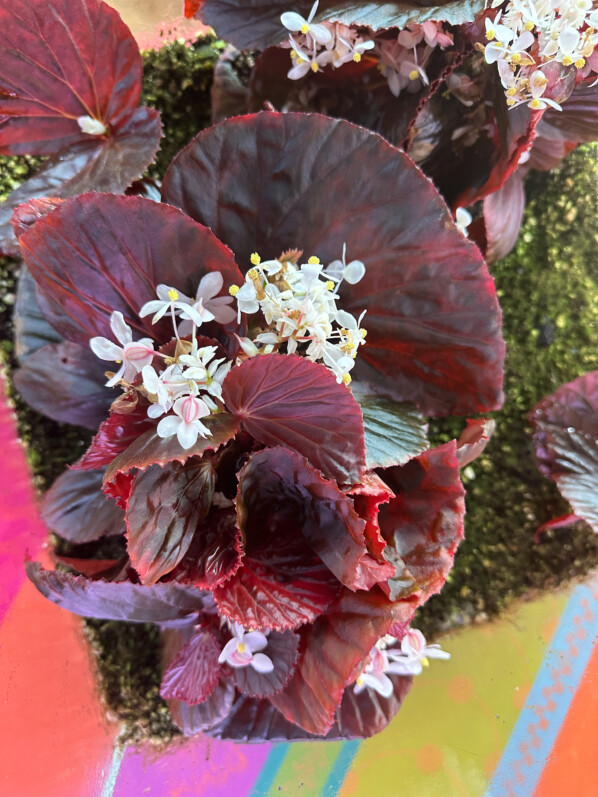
580 63
255 259
314 66
535 104
425 662
234 290
414 74
529 26
330 285
305 28
567 60
511 92
314 261
515 58
510 101
173 295
490 34
363 332
241 647
252 274
357 57
360 681
118 362
293 54
347 379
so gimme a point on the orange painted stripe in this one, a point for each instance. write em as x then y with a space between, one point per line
54 738
572 767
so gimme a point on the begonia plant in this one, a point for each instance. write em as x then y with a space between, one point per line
273 335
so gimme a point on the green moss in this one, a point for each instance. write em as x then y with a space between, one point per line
548 291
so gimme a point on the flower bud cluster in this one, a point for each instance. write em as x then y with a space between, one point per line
531 34
315 45
299 305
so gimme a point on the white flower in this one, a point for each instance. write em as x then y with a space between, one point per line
132 356
91 126
340 270
374 674
246 298
415 653
207 302
462 220
243 650
170 299
298 24
187 425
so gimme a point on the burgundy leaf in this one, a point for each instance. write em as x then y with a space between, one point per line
424 523
76 508
203 716
561 522
108 164
367 498
108 569
367 713
566 443
165 507
281 496
150 449
122 600
503 214
284 399
193 674
214 554
28 213
229 94
270 182
62 59
578 121
333 650
65 382
254 24
99 252
283 649
474 439
31 329
127 421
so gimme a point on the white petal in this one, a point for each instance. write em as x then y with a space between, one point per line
320 33
435 652
222 309
154 411
151 307
262 663
187 433
295 73
354 272
168 426
122 331
210 286
292 21
91 126
255 641
106 350
228 649
346 319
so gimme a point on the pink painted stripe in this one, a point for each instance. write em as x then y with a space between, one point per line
198 766
21 530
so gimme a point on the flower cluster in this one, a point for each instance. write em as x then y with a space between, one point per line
190 384
299 305
383 660
401 60
532 34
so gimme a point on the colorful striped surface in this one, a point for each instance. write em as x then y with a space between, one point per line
511 714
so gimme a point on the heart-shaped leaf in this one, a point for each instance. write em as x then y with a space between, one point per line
98 253
31 329
165 507
269 182
288 400
193 674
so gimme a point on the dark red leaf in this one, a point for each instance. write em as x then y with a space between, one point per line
108 569
367 713
127 421
62 59
284 399
193 674
214 554
76 508
165 507
561 522
118 600
474 439
203 716
578 121
503 214
367 498
99 252
108 164
65 382
150 449
26 214
566 443
283 649
281 496
254 24
31 329
268 182
424 523
333 650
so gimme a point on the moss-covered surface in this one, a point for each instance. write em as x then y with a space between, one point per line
548 291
